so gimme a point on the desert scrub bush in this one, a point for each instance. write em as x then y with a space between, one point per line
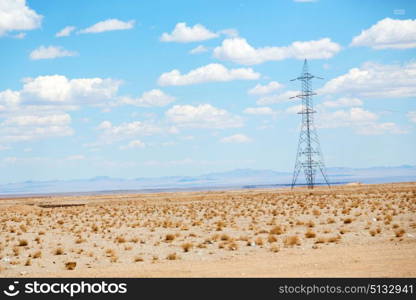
70 265
138 259
259 241
225 237
400 232
292 240
169 237
232 246
277 230
58 251
28 262
37 254
172 256
120 240
274 249
23 243
186 247
347 220
310 234
271 238
330 221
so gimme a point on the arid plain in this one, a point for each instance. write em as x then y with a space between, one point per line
347 231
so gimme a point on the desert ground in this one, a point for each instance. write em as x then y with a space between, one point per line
346 231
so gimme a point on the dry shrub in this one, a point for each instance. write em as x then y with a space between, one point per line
138 259
28 262
292 241
277 230
169 237
59 251
232 246
70 265
316 212
271 239
259 241
23 243
274 249
225 237
400 232
347 221
310 234
186 247
172 256
120 240
37 254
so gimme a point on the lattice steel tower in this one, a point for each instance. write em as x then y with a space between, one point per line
309 156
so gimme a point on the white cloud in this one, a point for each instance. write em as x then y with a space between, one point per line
202 116
57 89
259 111
238 50
66 31
380 128
412 116
343 102
184 34
133 145
388 33
34 120
199 49
16 15
294 109
375 81
112 133
20 35
31 127
265 89
50 52
150 98
230 32
109 25
3 148
278 98
236 138
208 73
361 121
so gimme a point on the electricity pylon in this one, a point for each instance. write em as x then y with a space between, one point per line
309 156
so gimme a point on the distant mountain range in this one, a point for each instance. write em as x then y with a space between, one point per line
240 178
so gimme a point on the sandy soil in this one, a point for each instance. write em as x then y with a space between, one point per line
345 231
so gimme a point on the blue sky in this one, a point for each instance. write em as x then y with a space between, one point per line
159 88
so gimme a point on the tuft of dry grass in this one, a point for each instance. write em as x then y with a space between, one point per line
172 256
310 234
37 254
400 232
58 251
70 265
274 249
138 259
187 247
169 237
291 241
347 220
23 243
277 230
271 239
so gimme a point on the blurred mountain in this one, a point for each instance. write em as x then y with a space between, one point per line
239 178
